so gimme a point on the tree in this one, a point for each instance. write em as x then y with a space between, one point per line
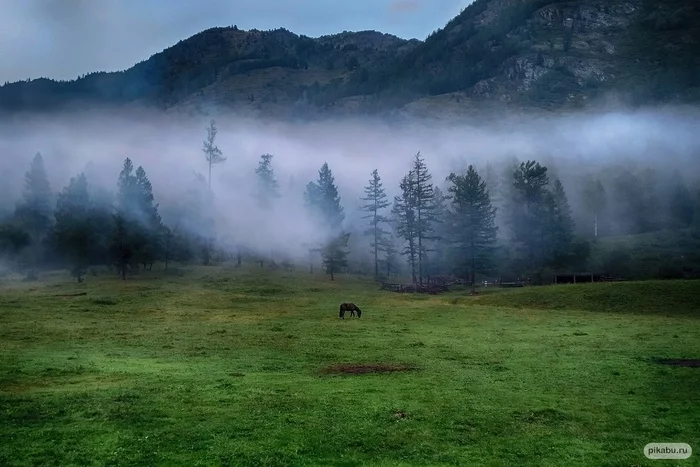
268 186
376 202
323 200
527 212
74 230
35 211
335 254
212 153
423 199
472 225
595 201
560 226
151 227
405 221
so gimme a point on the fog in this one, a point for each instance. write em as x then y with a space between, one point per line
170 150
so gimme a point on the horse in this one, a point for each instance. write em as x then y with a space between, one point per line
352 308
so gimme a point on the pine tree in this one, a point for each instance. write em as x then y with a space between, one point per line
560 226
74 231
34 212
126 238
151 226
423 199
528 212
471 224
405 222
212 153
323 201
376 202
268 186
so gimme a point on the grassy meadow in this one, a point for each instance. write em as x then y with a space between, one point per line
220 366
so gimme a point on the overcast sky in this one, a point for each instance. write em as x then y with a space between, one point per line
63 39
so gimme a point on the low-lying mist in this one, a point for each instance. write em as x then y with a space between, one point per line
170 151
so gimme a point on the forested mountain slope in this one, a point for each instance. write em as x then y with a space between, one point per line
537 54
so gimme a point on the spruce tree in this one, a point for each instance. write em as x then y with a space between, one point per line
561 226
471 224
267 184
405 222
323 200
35 211
151 227
528 212
423 199
74 230
376 202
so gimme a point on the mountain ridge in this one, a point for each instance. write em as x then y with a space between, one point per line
539 55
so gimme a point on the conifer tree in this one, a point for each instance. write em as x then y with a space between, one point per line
528 212
323 201
405 222
267 186
423 199
34 212
212 153
561 226
376 202
471 224
74 230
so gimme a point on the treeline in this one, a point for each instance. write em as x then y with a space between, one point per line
509 221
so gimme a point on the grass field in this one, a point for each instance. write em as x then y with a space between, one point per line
217 366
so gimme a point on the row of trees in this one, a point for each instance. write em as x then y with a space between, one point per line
480 222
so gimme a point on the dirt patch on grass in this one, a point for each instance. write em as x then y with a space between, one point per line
687 362
364 368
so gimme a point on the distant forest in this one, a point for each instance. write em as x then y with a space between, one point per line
510 221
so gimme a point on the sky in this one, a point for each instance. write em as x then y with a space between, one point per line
63 39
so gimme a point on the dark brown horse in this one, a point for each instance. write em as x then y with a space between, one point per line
352 308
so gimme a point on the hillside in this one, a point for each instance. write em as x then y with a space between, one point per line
533 54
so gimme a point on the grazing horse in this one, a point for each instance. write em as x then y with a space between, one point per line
352 308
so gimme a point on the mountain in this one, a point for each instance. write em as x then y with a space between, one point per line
515 54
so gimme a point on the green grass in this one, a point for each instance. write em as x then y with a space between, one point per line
225 367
